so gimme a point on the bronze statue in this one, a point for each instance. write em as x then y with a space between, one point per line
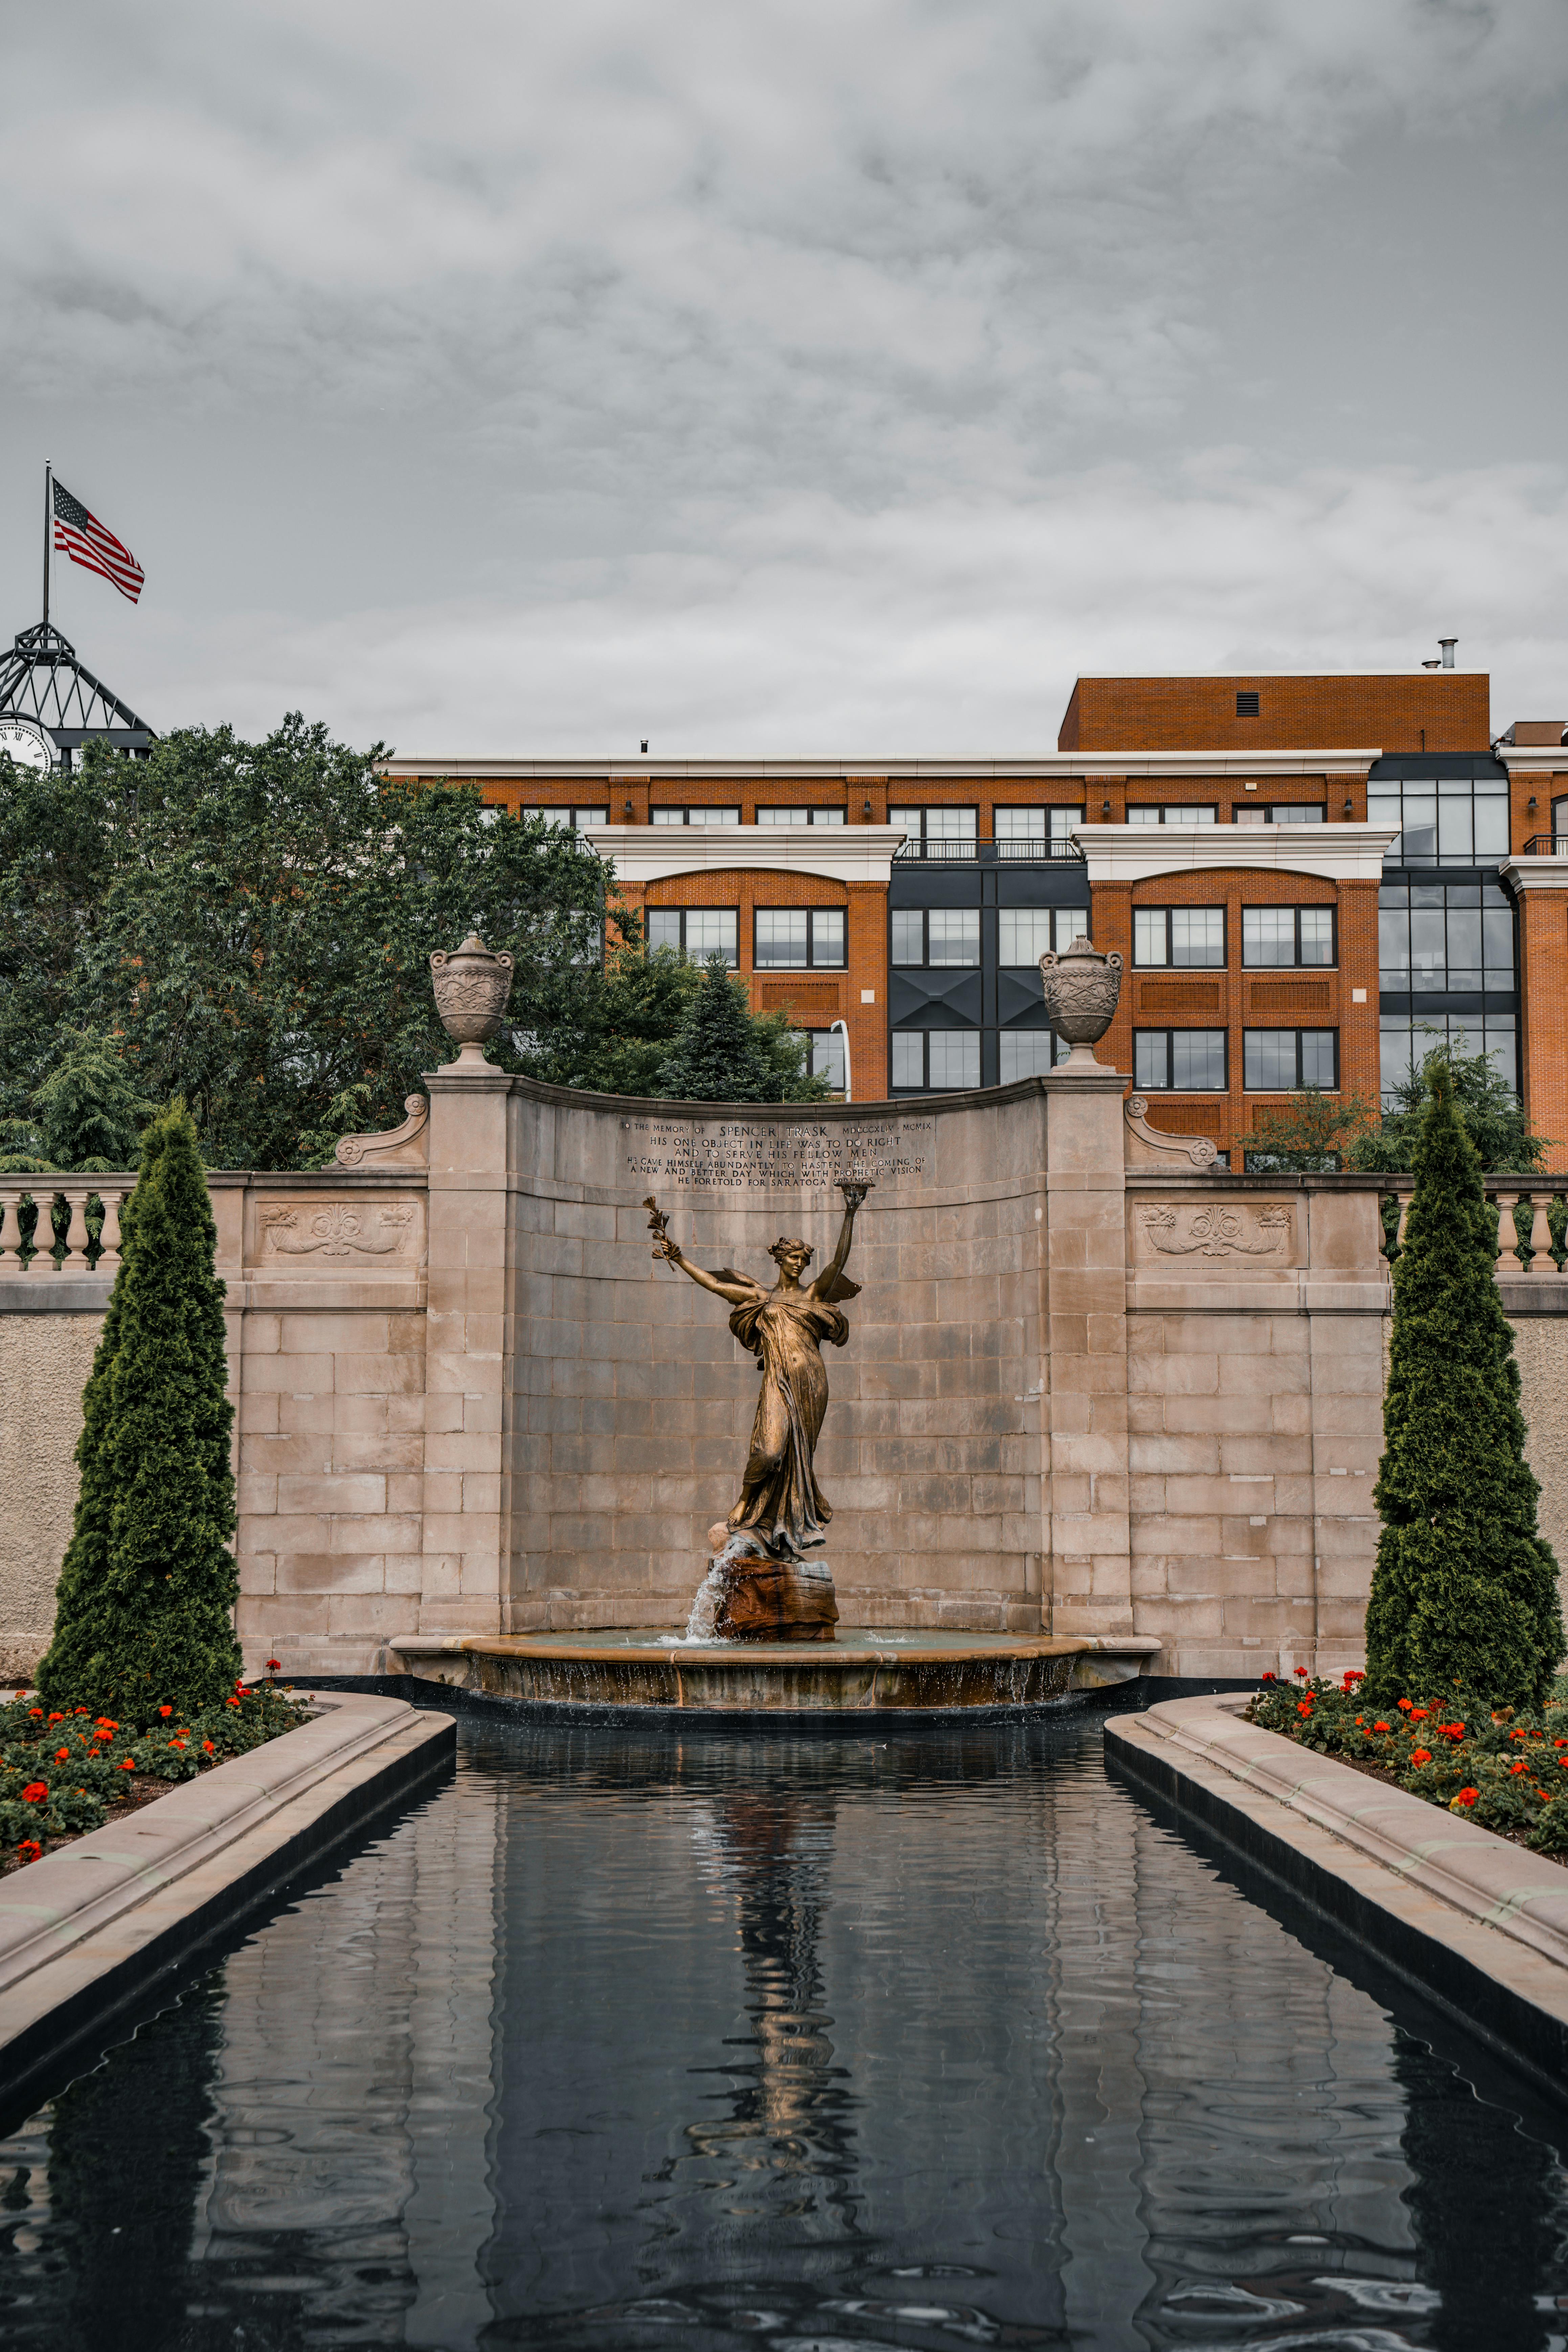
781 1512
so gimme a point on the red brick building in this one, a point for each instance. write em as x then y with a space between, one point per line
1305 876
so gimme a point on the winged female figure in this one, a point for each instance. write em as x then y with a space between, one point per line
781 1508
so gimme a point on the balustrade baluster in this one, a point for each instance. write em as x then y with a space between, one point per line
109 1240
1404 1218
1507 1239
76 1233
1541 1234
10 1228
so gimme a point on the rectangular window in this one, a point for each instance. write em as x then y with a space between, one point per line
1297 813
942 1059
1189 938
1023 934
800 817
1443 820
946 936
696 931
572 819
827 1056
1276 936
695 815
1028 832
1020 825
1026 1054
1282 1061
1446 937
1407 1039
1248 706
941 832
1174 812
1189 1061
793 939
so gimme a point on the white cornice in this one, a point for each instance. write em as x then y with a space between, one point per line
1540 759
1330 853
1536 873
837 853
1047 767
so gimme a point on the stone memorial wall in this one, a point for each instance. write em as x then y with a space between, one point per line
1091 1385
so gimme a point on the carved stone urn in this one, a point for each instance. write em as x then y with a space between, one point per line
471 988
1081 988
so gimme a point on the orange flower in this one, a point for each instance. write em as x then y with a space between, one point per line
1383 1726
35 1792
165 1710
128 1764
1467 1796
1404 1705
29 1849
208 1748
1515 1769
62 1756
1421 1756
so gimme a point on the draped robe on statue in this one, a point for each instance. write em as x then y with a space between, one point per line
781 1502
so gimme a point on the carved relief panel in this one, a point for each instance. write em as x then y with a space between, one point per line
367 1233
1260 1235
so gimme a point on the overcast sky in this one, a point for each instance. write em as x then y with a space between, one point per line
835 377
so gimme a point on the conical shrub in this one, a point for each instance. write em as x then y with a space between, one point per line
146 1595
716 1056
1465 1590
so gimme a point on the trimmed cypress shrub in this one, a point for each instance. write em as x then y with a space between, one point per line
1465 1590
716 1056
146 1595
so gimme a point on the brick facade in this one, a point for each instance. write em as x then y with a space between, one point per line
1444 711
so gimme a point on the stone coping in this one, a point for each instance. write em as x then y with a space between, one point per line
83 1931
1473 1918
853 1645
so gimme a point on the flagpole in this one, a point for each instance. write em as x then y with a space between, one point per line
48 534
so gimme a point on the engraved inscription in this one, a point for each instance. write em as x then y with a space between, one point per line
1174 1230
732 1155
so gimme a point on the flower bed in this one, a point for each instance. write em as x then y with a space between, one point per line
60 1775
1505 1767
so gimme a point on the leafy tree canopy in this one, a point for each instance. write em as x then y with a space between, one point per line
86 1115
1315 1132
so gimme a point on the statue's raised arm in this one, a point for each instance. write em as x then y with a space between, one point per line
831 1283
727 1283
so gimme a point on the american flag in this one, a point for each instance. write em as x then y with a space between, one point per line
83 537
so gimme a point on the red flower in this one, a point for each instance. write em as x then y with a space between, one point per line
1269 1678
62 1756
35 1792
1419 1714
1404 1704
273 1665
1307 1710
36 1714
29 1849
207 1747
56 1718
176 1743
1421 1756
1383 1726
165 1710
1302 1672
128 1764
1467 1796
231 1701
1361 1723
1515 1769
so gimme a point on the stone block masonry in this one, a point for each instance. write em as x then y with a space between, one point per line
1090 1387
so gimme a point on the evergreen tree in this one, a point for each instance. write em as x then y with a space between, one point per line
147 1591
723 1054
1465 1590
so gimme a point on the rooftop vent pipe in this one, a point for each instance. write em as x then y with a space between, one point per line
1447 645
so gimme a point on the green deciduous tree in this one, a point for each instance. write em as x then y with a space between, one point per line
1494 1116
250 924
85 1115
725 1053
148 1587
1311 1134
1465 1590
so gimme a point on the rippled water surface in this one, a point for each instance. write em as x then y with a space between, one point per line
927 2043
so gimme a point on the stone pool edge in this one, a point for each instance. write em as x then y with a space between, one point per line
1472 1920
87 1930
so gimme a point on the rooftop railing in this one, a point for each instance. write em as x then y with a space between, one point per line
1547 845
989 853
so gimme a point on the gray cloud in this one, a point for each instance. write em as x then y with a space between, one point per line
794 377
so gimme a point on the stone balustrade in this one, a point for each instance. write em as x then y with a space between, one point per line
75 1225
1526 1245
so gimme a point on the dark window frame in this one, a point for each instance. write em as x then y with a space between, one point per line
902 963
683 912
663 813
1075 809
1164 806
1223 963
813 810
1298 911
925 1035
1312 1029
813 962
923 809
1184 1029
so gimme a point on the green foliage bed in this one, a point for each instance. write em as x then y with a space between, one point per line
60 1774
1506 1768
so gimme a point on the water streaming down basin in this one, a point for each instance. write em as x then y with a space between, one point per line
627 2040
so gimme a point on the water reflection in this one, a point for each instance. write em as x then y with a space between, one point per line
919 2043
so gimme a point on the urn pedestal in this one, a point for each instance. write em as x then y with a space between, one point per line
470 987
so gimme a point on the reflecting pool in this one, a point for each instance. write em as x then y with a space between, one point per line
620 2039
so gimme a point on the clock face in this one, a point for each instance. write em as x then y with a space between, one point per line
25 741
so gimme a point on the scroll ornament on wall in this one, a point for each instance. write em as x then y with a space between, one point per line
337 1231
1214 1232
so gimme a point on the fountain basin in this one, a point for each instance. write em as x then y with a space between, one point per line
864 1671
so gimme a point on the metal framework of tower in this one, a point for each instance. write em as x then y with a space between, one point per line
42 678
